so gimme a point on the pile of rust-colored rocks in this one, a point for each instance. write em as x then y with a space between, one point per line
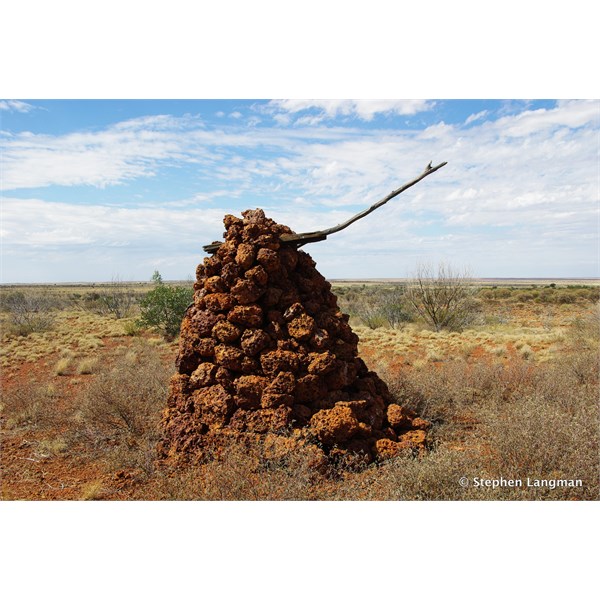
266 354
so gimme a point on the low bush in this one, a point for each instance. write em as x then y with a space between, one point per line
377 306
127 399
116 299
121 409
163 308
28 313
29 405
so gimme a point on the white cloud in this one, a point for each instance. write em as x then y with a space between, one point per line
476 117
568 113
16 106
127 150
87 243
363 109
157 123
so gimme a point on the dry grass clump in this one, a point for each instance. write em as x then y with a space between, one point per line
53 447
537 439
87 366
94 490
63 366
525 420
432 476
127 398
454 386
131 327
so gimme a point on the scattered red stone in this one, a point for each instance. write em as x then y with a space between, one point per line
265 351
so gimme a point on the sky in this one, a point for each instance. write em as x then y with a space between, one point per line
96 190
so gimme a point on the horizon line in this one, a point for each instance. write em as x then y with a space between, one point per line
330 279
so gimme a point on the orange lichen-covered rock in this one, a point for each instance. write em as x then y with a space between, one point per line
301 328
247 316
279 360
396 416
412 439
386 448
226 332
213 404
334 426
418 423
266 354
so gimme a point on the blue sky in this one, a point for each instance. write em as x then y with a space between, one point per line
94 190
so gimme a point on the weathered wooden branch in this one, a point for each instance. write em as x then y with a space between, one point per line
299 239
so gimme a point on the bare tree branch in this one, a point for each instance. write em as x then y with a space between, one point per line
299 239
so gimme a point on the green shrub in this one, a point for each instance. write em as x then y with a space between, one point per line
163 307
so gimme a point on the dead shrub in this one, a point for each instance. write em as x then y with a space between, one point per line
28 313
115 299
121 410
27 406
443 297
127 399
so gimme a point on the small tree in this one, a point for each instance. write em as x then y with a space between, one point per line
163 307
443 298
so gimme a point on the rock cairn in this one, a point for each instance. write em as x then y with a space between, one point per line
265 353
